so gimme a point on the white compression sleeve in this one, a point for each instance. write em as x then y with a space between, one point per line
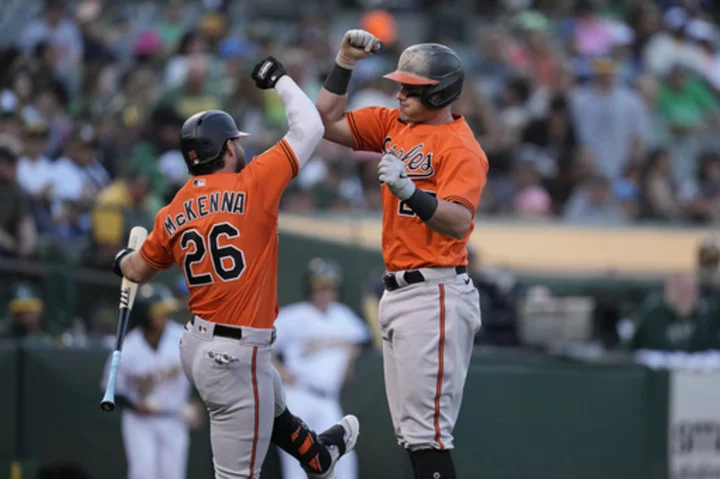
305 125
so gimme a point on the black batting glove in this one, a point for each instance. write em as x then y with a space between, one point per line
118 257
267 73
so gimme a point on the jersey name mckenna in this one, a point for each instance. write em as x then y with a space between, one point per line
232 202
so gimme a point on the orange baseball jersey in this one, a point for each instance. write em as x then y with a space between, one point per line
221 229
444 160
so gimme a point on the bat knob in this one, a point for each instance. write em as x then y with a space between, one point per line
107 406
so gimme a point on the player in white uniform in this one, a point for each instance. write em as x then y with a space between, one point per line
153 391
318 341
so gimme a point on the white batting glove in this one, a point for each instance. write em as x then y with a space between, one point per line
356 45
391 171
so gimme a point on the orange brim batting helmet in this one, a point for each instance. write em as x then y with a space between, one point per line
434 66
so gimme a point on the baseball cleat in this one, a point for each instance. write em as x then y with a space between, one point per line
341 439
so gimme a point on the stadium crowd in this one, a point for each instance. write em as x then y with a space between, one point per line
604 113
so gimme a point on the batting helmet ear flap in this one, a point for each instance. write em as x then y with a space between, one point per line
443 93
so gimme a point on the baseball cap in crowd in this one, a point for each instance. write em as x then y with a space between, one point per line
603 66
148 43
85 134
532 20
621 34
675 18
701 31
36 128
25 299
236 47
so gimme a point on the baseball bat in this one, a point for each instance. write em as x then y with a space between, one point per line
128 289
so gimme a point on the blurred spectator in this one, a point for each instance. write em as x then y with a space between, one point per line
499 295
704 201
686 106
626 190
197 93
160 138
677 320
125 203
648 88
374 92
18 233
171 27
78 178
513 117
659 189
709 268
35 174
705 36
26 313
62 34
592 36
594 203
49 104
10 123
96 50
531 200
492 70
671 47
533 55
191 45
609 119
555 136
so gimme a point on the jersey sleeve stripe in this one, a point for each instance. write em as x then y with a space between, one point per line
462 201
290 156
151 262
359 143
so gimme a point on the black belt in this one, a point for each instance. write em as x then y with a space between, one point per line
411 277
224 331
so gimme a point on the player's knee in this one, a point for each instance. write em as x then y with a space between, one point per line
432 464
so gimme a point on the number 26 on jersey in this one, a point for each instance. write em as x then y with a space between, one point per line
228 261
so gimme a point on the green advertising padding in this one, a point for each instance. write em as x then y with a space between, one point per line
523 416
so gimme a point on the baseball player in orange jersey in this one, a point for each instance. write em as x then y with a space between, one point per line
221 229
433 172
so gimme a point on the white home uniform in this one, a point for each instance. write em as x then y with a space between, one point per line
156 446
304 334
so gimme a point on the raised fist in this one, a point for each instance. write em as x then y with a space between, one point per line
356 45
267 73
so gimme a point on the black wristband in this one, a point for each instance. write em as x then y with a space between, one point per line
118 258
423 204
338 80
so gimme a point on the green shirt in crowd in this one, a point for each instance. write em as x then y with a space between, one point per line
687 107
660 327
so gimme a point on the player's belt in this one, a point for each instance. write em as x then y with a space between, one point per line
411 277
224 331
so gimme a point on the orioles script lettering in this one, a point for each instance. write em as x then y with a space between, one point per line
417 163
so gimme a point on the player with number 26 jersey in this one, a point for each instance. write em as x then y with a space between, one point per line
221 229
223 226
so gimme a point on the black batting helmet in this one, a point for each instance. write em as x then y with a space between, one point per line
322 272
152 300
204 136
434 66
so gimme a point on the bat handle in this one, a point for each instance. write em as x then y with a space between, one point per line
108 401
